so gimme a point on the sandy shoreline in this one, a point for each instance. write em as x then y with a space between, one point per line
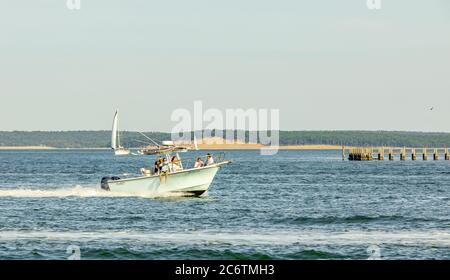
201 146
257 147
25 148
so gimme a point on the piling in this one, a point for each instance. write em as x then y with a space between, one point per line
403 154
413 154
435 154
381 153
424 155
391 155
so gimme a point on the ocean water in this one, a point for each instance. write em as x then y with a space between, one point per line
295 205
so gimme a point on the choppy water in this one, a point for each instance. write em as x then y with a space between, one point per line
295 205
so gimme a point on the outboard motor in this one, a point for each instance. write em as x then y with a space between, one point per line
104 183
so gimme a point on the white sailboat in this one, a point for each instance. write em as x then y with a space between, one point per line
115 138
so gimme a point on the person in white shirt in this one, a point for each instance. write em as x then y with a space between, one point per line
209 159
175 164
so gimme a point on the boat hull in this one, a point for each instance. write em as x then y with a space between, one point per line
121 152
192 182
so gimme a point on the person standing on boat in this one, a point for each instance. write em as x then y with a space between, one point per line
163 171
156 168
209 159
175 164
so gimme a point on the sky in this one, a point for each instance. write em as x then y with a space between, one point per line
325 64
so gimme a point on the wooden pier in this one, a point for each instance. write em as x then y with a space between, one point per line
379 153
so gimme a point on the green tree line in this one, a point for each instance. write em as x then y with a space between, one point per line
102 139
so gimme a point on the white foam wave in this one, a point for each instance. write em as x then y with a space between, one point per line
315 237
78 191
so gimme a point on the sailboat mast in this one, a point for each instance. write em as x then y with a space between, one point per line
195 143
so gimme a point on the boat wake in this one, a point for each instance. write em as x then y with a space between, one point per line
307 238
81 191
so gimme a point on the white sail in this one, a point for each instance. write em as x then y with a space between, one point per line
114 131
115 138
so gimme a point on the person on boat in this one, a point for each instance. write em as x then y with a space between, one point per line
175 164
163 171
199 163
146 172
209 159
156 168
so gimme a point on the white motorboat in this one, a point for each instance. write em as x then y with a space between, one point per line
115 138
190 181
163 148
